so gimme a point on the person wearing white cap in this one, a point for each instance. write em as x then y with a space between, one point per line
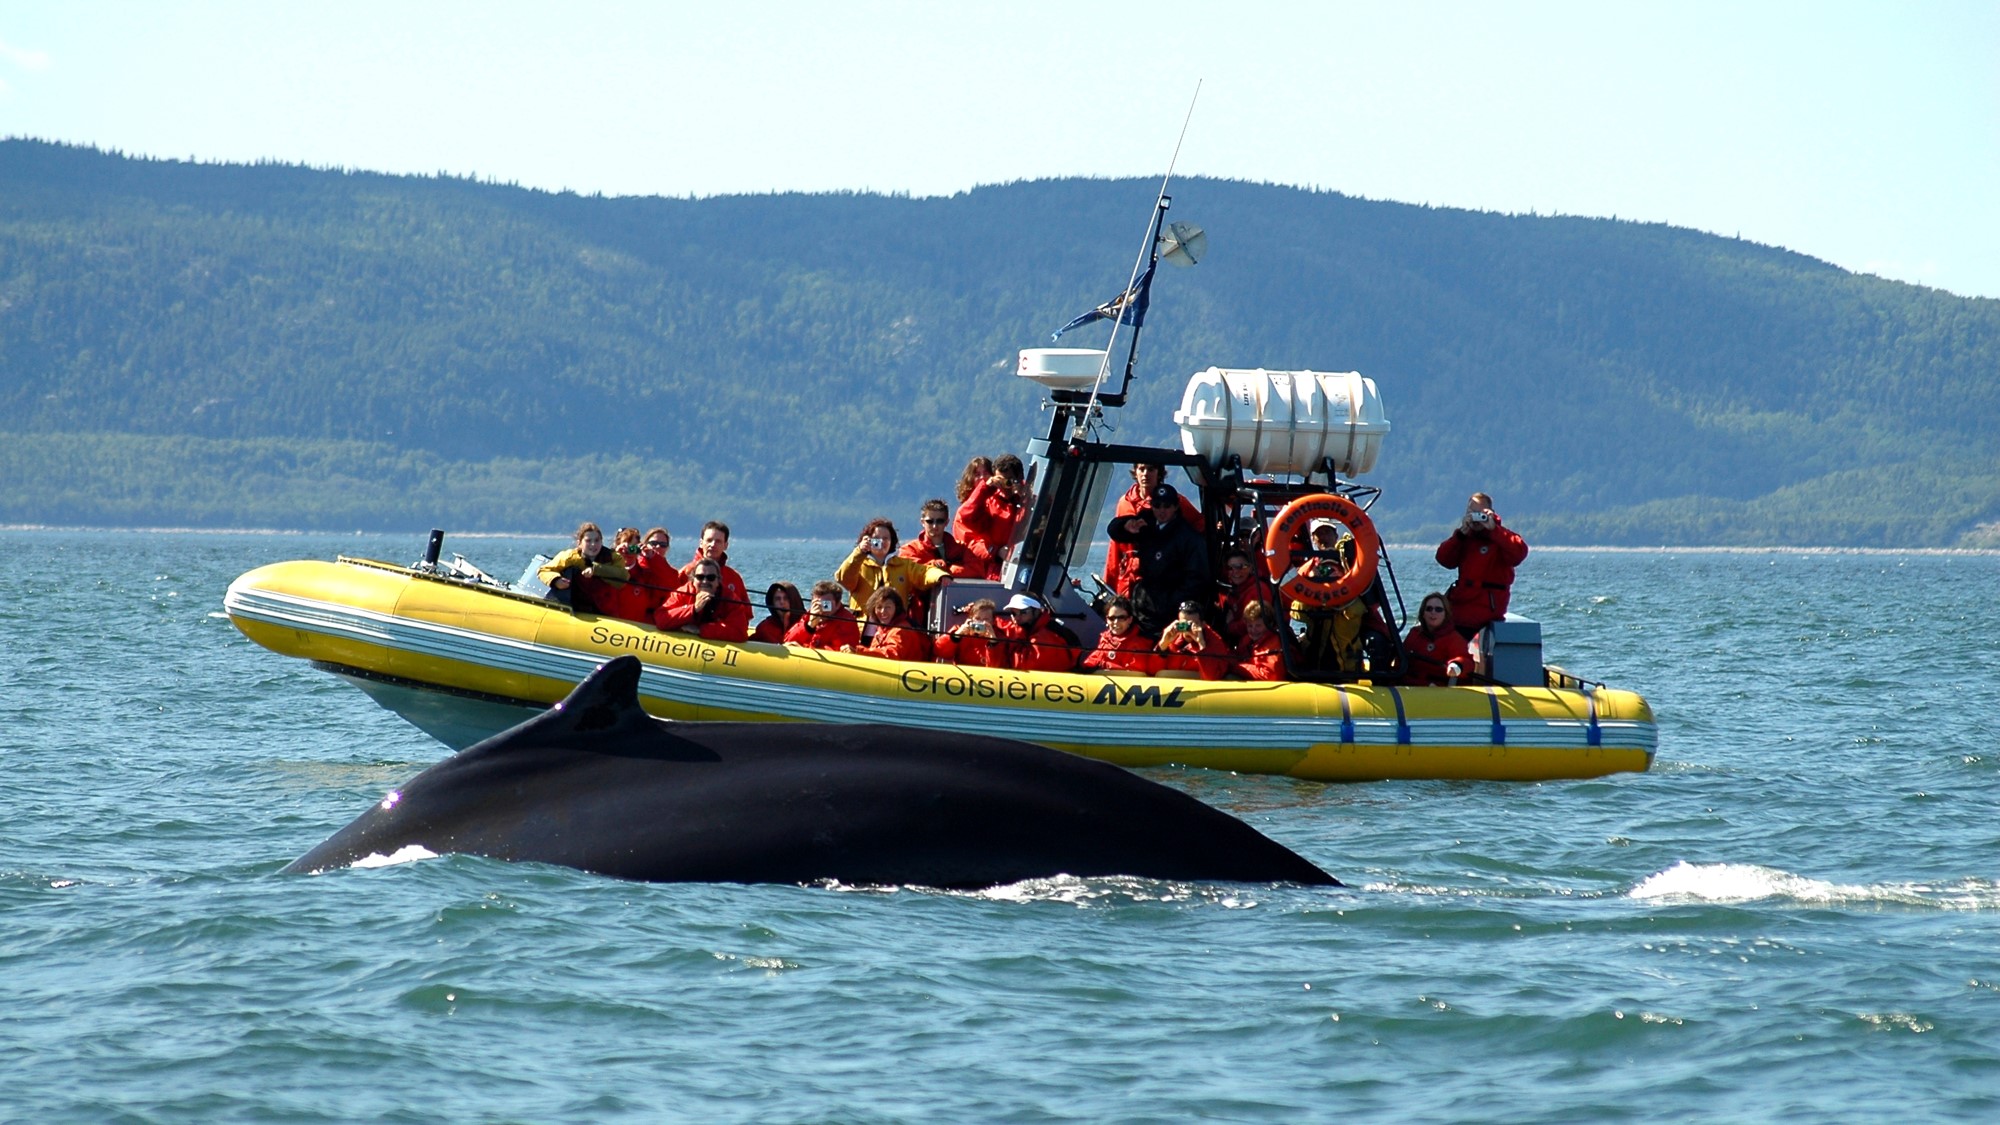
1033 645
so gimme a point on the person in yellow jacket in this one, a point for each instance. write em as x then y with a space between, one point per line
874 564
588 559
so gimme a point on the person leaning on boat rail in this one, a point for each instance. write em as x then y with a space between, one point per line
700 608
590 558
974 642
1435 652
1485 553
786 606
1172 560
828 623
1188 644
986 519
1032 641
874 565
1121 568
1121 647
1260 655
895 638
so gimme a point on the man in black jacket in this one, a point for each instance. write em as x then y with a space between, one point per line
1173 560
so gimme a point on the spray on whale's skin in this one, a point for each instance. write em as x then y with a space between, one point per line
599 785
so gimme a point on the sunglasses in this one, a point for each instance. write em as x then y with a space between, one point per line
1118 617
935 523
705 579
660 543
1433 609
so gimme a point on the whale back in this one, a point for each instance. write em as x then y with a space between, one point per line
597 784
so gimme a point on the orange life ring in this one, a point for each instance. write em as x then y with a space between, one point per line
1322 593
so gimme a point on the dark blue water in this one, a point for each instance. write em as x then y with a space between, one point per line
1794 916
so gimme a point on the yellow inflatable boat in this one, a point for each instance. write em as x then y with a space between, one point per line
463 656
463 660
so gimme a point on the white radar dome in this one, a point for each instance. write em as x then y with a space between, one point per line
1283 421
1061 369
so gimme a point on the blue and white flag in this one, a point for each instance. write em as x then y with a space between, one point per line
1128 307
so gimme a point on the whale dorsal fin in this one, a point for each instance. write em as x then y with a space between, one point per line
606 699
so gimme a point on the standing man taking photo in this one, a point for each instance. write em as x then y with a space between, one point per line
1485 554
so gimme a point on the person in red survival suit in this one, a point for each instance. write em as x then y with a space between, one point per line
1485 554
1032 643
1187 644
1121 566
895 638
1260 655
1243 585
986 520
652 576
700 608
828 623
715 545
787 609
1434 647
621 598
1121 647
974 642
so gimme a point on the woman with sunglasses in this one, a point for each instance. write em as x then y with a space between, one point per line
1121 647
654 576
1436 651
700 607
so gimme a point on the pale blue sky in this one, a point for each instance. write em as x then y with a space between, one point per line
1867 134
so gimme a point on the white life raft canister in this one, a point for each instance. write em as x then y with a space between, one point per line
1283 421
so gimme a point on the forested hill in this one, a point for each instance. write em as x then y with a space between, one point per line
214 345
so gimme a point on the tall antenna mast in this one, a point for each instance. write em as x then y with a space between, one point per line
1142 266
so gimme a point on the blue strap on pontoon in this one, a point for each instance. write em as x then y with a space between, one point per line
1402 724
1499 728
1596 733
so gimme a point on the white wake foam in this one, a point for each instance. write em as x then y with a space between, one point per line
1749 882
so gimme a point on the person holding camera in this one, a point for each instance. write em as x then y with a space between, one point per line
827 624
987 517
1485 554
874 565
1187 644
975 641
